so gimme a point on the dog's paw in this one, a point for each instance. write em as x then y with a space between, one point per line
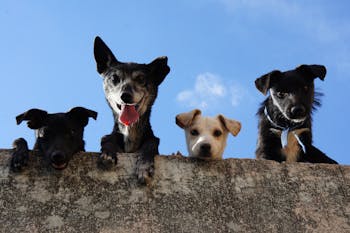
19 155
144 171
106 161
178 153
19 160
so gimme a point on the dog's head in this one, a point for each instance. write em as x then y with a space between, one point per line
130 88
292 92
206 136
59 135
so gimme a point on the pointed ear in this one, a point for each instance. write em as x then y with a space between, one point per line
103 55
231 125
183 120
159 69
81 115
36 118
264 82
313 71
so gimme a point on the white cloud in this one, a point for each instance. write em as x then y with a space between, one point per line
208 84
237 94
210 92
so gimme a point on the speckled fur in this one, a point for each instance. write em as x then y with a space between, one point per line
142 81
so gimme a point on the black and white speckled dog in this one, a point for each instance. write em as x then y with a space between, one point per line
285 117
130 90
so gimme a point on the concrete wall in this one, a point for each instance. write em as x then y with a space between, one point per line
234 195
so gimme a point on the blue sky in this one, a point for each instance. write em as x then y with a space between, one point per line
216 49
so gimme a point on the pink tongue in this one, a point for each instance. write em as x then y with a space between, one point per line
129 115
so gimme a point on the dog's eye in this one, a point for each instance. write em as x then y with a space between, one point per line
194 132
217 133
46 132
140 79
115 79
306 88
281 95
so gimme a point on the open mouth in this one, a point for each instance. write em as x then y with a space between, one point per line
119 106
129 113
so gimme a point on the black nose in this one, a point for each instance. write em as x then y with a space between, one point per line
58 157
298 111
205 149
127 98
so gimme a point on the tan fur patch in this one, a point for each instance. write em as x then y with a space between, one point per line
292 150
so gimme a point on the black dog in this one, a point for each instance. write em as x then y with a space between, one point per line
130 90
285 116
58 136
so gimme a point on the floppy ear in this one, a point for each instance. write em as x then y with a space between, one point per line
264 82
36 118
313 71
159 69
103 55
183 120
231 125
81 115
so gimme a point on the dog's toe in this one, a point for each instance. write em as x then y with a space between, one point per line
18 161
106 162
144 171
16 166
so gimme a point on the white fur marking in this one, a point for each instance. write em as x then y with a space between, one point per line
201 140
275 102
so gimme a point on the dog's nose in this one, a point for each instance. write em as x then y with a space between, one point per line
298 111
58 157
205 149
127 98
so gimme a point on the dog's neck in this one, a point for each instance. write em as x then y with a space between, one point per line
281 126
134 134
285 130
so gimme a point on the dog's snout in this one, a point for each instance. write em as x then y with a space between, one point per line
58 157
205 149
127 97
298 111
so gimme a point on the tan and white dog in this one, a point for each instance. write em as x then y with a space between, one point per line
206 136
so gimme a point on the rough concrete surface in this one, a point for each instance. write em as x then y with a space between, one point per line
233 195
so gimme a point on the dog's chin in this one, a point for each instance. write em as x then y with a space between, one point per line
296 120
300 120
206 156
59 166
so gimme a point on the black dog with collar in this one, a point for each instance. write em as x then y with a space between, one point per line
285 117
